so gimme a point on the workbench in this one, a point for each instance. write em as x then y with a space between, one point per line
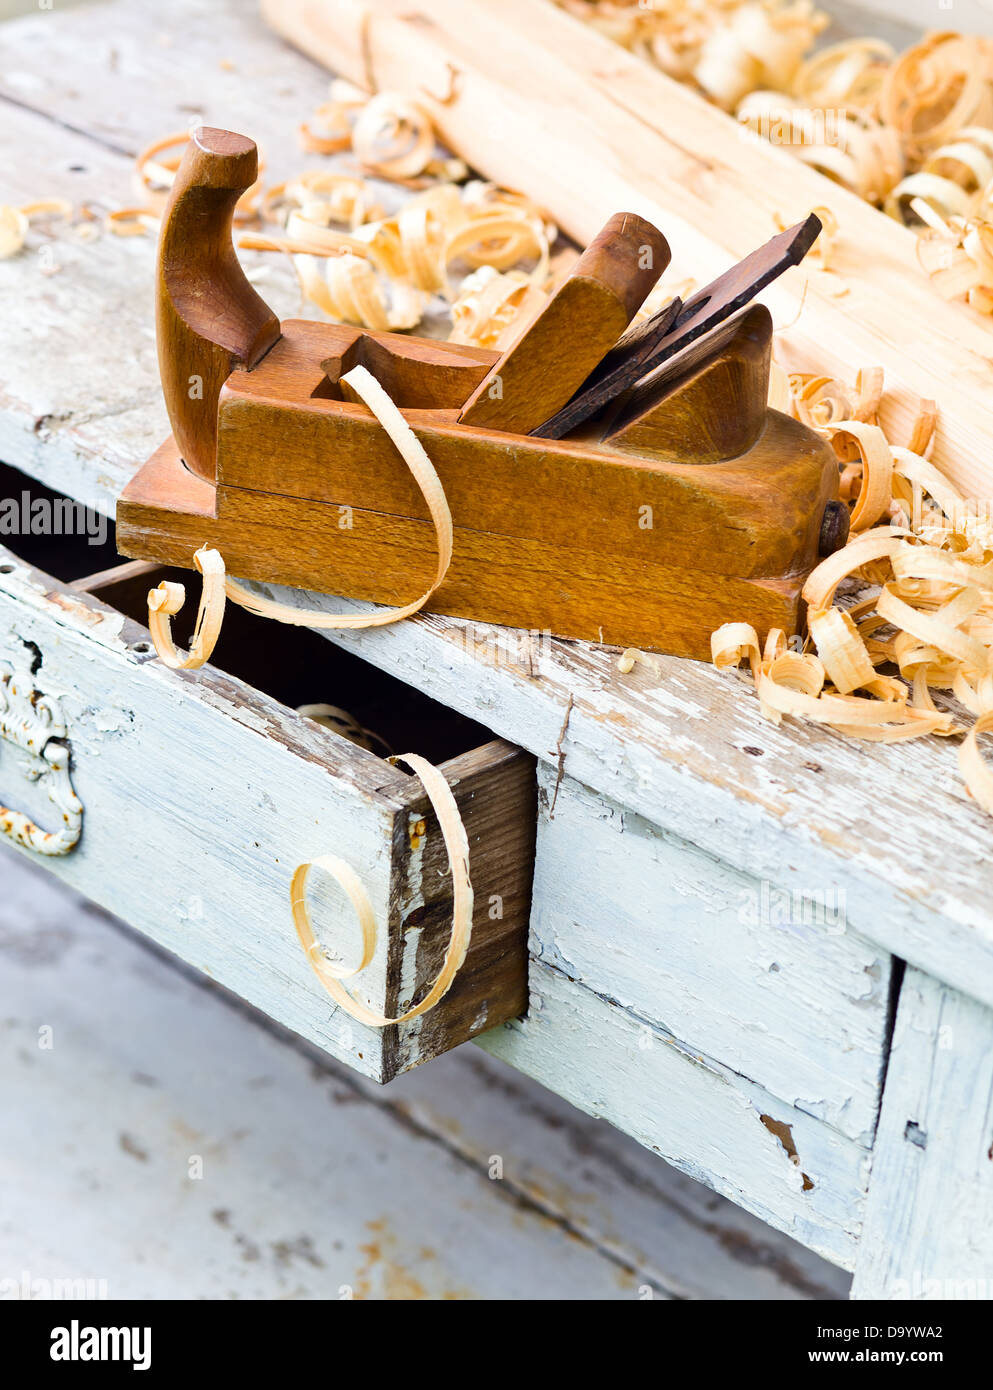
765 952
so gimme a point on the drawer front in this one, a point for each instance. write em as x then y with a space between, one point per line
200 796
739 1034
771 984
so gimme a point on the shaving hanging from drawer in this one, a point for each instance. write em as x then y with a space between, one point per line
166 601
329 972
918 561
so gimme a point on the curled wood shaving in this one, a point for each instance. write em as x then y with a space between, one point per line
936 88
13 230
949 178
329 972
847 74
628 659
850 147
168 599
382 271
15 222
492 308
756 45
958 256
927 581
131 221
334 132
345 724
393 136
975 772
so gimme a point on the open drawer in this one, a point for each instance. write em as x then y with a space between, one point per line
199 795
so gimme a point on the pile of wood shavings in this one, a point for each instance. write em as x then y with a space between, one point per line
911 592
911 133
381 272
361 266
358 265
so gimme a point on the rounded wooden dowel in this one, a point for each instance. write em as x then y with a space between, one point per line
208 318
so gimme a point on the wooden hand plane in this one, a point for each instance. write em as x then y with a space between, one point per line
675 500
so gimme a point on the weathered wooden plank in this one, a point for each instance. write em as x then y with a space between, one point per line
580 1211
700 1116
928 1230
79 429
778 989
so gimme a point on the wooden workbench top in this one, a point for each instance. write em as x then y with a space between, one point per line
80 409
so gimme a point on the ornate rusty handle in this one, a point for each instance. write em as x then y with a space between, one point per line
34 722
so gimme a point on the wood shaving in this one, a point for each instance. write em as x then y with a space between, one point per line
628 659
166 601
131 222
13 230
15 222
958 255
381 272
393 136
328 971
334 130
345 724
922 556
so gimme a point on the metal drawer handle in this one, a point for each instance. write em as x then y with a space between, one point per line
34 722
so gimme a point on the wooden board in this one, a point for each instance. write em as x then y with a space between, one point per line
775 986
545 104
697 1114
929 1219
